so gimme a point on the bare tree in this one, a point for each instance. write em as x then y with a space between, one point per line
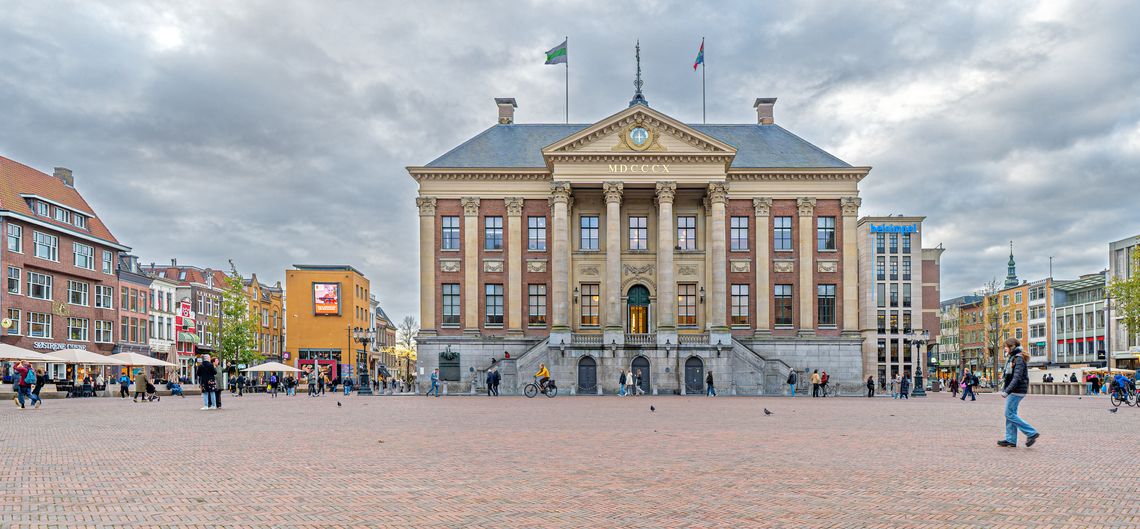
406 332
995 329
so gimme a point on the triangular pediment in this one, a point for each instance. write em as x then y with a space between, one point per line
658 134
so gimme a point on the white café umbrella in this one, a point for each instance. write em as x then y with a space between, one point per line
11 352
82 357
271 367
135 359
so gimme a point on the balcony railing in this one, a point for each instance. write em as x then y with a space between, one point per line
640 339
586 339
693 339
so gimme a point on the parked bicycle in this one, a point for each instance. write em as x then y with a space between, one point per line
531 390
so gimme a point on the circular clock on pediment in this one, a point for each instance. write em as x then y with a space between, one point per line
639 137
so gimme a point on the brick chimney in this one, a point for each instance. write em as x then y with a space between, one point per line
507 106
174 263
65 175
763 108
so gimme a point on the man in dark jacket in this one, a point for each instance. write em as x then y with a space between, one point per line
207 378
1015 387
969 380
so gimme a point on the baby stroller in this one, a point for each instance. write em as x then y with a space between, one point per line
151 393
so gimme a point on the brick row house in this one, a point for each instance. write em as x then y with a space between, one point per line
60 263
197 309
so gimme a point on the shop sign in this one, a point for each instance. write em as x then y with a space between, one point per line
53 346
894 228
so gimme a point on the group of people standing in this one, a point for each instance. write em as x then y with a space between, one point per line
629 383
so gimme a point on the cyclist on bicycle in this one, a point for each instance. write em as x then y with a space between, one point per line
543 375
1121 383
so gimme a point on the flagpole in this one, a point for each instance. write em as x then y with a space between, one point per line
704 60
567 63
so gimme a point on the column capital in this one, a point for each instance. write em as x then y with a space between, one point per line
612 191
470 206
559 192
426 205
514 206
806 206
763 206
718 192
666 191
850 206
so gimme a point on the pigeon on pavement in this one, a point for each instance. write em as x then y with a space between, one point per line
1112 410
652 409
338 403
767 412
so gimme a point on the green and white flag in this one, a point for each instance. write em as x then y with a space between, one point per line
557 54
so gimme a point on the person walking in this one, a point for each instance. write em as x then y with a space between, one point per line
710 390
491 381
968 381
497 380
140 386
792 379
220 378
904 386
41 379
124 385
870 386
1014 388
815 383
637 383
629 383
434 383
621 383
954 387
207 379
25 379
241 385
272 386
823 380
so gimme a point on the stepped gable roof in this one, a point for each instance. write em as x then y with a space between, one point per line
520 145
18 179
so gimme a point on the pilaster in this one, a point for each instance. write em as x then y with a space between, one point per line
763 209
850 209
514 265
718 198
666 287
806 206
612 313
427 207
470 264
560 262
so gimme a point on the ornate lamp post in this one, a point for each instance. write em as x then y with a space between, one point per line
919 338
364 337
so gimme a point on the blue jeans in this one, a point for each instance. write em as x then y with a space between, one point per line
209 398
434 387
1013 423
793 388
711 391
25 392
968 391
621 390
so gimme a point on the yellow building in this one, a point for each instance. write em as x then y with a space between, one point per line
325 304
267 306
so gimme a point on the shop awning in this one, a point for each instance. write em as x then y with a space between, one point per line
188 337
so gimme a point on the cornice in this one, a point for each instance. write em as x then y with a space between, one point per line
639 157
421 174
796 174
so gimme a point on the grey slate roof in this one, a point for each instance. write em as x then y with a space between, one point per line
520 145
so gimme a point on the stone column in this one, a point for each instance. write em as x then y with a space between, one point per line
718 325
850 206
613 326
806 259
763 207
666 287
516 298
427 264
470 264
560 262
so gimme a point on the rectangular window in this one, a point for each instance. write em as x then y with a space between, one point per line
39 325
449 233
687 233
638 233
687 305
906 268
906 295
43 209
894 243
134 330
590 300
1017 297
77 293
108 262
882 321
826 301
782 233
881 268
15 238
880 242
77 329
894 268
39 286
825 233
894 294
881 295
79 221
62 215
14 277
906 322
536 234
906 243
14 315
134 301
450 304
493 233
494 304
46 246
782 295
739 304
738 234
894 322
1017 315
588 233
84 256
536 304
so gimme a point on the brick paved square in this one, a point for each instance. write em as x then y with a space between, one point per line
566 462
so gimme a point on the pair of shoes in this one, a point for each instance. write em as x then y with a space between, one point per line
1028 441
1006 444
215 408
38 402
204 408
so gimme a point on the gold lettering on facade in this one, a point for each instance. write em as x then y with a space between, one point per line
655 168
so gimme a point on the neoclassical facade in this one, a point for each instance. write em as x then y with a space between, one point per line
642 243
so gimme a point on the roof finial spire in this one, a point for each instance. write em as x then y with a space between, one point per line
1011 269
638 98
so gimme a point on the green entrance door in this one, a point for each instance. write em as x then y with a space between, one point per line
637 301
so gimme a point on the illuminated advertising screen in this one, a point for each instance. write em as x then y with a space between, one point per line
326 299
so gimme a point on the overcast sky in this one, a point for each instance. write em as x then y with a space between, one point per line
277 132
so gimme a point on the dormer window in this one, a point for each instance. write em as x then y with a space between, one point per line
79 221
62 215
43 209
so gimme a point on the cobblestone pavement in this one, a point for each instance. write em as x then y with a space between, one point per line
566 462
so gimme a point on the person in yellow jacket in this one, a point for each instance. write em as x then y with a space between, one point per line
542 375
815 381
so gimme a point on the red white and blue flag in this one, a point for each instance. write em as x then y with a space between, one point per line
700 56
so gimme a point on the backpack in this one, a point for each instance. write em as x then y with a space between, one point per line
30 378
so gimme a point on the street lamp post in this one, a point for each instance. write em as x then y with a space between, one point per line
919 338
364 337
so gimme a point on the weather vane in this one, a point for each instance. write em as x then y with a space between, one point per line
638 98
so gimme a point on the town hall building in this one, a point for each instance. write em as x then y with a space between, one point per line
639 243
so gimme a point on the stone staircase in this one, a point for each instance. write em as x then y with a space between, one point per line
756 375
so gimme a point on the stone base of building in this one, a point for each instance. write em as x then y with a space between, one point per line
584 366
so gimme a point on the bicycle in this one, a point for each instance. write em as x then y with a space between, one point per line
1123 396
531 390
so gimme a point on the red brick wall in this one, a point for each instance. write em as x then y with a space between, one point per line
489 208
536 208
785 208
829 208
741 208
448 208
